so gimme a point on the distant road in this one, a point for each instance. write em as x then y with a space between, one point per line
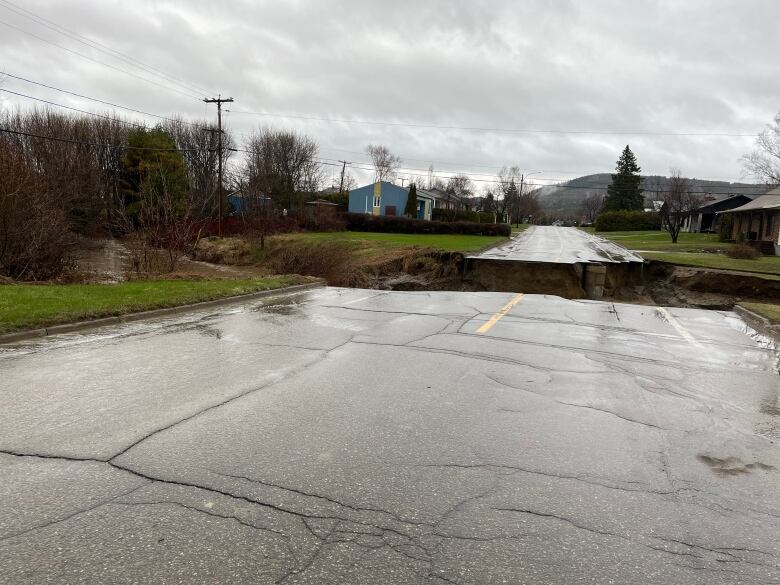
560 245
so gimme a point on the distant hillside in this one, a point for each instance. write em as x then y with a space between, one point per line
565 200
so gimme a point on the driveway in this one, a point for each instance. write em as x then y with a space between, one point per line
560 245
355 436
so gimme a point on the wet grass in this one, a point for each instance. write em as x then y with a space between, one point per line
657 240
383 241
771 312
768 266
27 306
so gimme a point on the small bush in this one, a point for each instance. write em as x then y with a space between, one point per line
330 261
742 252
358 222
725 227
627 221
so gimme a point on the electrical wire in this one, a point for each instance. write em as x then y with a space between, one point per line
97 46
83 56
98 145
112 118
99 101
496 130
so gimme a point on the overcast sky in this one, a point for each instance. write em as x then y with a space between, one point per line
564 66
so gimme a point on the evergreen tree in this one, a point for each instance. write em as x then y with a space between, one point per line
411 202
625 191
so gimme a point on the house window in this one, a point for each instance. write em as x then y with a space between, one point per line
377 200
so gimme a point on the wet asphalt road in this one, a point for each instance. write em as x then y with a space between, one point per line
560 245
353 436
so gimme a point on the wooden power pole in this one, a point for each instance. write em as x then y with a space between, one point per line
343 171
219 100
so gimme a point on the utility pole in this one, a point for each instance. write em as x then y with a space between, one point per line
219 100
343 170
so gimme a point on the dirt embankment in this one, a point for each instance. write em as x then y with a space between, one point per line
683 286
404 268
410 268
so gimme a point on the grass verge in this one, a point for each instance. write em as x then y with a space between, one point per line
27 306
382 241
768 266
662 241
771 312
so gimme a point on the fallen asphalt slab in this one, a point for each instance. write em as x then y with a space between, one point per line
559 245
356 436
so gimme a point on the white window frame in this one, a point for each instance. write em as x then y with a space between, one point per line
377 200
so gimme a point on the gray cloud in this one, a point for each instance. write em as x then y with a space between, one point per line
600 65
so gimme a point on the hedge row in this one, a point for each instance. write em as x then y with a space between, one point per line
627 221
440 214
359 222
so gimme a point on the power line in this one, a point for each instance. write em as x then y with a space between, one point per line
83 56
95 45
113 118
86 97
497 130
96 144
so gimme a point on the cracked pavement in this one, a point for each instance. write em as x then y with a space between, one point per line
354 436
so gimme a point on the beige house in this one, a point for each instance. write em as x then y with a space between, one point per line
759 222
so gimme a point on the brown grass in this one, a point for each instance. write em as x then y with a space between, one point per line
742 252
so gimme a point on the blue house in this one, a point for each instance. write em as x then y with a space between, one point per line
383 198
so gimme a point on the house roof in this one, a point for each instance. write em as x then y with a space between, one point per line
770 200
725 203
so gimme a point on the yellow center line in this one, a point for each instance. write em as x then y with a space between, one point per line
504 310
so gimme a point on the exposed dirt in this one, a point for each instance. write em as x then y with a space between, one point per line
106 260
683 286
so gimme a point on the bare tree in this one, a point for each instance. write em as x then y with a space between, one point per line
281 164
507 191
678 203
525 205
459 188
198 141
385 163
33 231
764 163
591 206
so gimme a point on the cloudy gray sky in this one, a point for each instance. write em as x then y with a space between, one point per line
568 82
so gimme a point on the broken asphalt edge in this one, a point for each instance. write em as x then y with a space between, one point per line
77 326
758 322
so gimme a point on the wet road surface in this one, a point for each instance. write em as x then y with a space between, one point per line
560 245
354 436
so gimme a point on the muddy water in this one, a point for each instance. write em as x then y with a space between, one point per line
103 260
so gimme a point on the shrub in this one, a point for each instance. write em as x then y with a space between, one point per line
358 222
329 260
439 214
627 221
34 232
742 252
725 227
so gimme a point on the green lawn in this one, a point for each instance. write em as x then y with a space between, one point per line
771 312
766 265
662 241
26 306
518 229
449 242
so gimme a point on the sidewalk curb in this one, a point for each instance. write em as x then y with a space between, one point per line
154 313
758 322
